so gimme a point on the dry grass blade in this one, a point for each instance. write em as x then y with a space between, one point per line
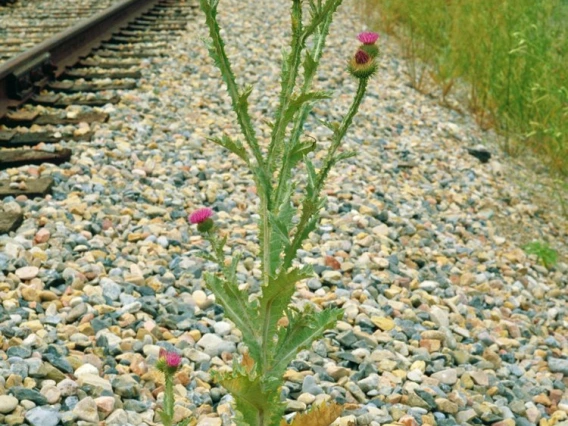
247 362
323 415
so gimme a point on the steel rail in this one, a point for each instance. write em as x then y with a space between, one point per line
23 76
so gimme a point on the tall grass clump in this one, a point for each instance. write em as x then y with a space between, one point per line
513 55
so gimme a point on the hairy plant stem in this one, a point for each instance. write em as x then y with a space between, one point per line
302 115
288 82
169 399
338 137
243 118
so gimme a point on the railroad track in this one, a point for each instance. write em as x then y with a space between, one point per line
56 90
19 29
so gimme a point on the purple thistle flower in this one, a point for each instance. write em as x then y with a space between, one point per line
173 359
200 215
168 362
368 37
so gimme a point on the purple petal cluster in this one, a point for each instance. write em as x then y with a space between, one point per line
200 215
368 37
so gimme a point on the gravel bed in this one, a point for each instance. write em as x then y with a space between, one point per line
447 321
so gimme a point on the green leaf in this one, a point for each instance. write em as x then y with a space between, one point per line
343 156
275 300
244 95
286 210
165 418
310 66
253 394
247 391
325 12
303 328
333 125
280 229
237 309
279 241
312 180
304 98
269 123
235 146
300 150
311 223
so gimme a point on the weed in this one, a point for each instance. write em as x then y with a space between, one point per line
545 254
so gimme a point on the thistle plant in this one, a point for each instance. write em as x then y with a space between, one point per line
169 363
273 330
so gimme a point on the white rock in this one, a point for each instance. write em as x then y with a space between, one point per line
8 403
210 342
222 328
440 316
27 272
448 377
86 369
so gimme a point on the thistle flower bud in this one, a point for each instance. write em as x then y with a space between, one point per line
362 57
362 65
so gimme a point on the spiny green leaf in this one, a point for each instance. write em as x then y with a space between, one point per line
326 12
280 229
310 66
253 394
312 180
286 210
343 156
333 125
275 299
244 95
279 241
297 102
235 146
310 225
247 392
237 309
269 123
300 150
164 417
231 271
302 330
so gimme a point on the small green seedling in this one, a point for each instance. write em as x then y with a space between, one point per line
545 254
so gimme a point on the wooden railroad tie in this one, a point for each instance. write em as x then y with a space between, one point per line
10 222
22 157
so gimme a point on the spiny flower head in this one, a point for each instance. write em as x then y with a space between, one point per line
202 217
168 362
362 65
368 37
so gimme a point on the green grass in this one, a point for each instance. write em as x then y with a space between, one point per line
513 54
